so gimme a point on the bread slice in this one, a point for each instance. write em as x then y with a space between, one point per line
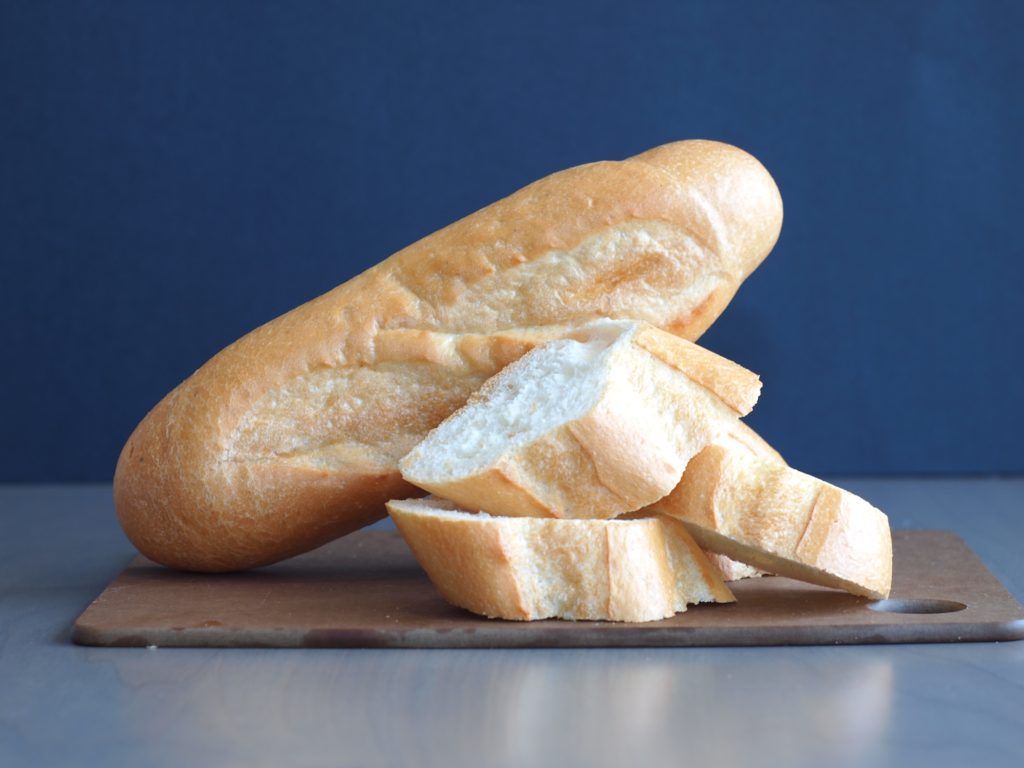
537 568
783 521
590 426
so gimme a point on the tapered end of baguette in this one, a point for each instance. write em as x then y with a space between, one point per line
264 452
743 211
184 507
782 521
529 568
744 193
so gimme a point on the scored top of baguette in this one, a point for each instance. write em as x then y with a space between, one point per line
291 436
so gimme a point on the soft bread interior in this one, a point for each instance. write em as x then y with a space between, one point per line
556 384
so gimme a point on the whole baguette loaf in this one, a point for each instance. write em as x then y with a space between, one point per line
782 521
291 436
594 425
536 568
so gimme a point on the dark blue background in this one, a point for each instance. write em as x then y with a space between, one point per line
173 174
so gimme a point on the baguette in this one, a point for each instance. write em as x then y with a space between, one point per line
291 436
595 425
535 568
782 521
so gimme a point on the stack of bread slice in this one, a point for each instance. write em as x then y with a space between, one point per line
601 455
587 479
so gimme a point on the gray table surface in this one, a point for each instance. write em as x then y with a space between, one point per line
934 705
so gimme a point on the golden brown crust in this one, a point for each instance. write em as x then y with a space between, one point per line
847 536
753 443
733 384
291 435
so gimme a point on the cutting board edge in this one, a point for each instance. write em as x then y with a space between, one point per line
490 634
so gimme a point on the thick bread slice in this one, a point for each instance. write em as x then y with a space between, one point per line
536 568
291 436
782 521
591 426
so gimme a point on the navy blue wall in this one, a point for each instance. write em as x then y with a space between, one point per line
172 174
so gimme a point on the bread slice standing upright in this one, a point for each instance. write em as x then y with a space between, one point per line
535 568
595 425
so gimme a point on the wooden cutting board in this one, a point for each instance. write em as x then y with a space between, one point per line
366 590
